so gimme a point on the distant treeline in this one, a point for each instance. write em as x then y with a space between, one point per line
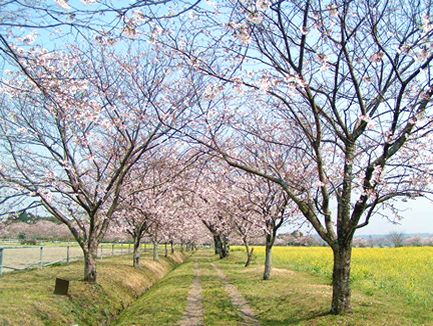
393 239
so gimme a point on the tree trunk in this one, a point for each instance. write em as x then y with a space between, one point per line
249 253
268 257
165 250
136 254
218 244
155 252
224 247
172 247
341 292
90 264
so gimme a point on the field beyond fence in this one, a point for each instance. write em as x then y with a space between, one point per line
16 257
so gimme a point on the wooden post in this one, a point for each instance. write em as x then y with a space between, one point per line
112 250
1 261
67 255
41 256
129 248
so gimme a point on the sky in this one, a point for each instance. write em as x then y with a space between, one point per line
417 218
417 214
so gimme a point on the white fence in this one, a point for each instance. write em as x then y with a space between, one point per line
26 257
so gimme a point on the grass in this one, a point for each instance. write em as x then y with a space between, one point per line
163 304
301 298
299 292
289 298
26 297
399 272
218 308
166 303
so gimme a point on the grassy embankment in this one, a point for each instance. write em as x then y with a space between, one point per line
26 298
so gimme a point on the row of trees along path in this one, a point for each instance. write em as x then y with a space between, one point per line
209 114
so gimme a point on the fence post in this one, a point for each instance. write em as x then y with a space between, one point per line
129 248
112 250
1 261
41 256
67 255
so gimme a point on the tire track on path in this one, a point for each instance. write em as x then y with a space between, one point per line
238 300
194 314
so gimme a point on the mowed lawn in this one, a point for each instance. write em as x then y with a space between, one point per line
391 286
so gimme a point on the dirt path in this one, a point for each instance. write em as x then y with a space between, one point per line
194 311
238 300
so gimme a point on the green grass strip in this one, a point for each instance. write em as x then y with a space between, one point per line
163 304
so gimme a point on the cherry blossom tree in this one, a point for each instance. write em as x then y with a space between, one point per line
331 101
165 223
228 202
149 199
134 219
101 15
340 92
253 204
246 228
3 226
134 215
29 22
71 138
41 230
272 209
188 229
208 202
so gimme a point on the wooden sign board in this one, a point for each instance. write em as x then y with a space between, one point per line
62 286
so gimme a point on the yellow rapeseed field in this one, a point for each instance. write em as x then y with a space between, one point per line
406 272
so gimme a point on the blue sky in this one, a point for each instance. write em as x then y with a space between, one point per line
417 214
417 218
